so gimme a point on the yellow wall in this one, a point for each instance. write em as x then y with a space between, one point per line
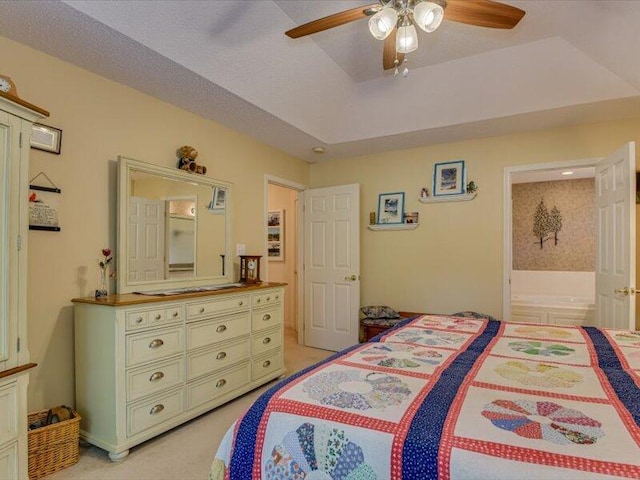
453 260
101 119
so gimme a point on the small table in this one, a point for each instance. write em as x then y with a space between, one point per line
375 326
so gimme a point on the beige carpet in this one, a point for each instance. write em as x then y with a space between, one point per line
186 452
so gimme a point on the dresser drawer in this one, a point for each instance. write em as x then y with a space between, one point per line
210 360
154 378
155 345
266 365
151 317
217 307
262 299
265 318
208 332
210 388
144 415
8 412
266 341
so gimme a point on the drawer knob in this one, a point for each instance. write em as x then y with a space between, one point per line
266 363
221 328
156 343
277 297
156 376
156 409
268 299
266 317
258 300
139 320
221 355
240 303
201 309
175 314
221 383
267 340
158 317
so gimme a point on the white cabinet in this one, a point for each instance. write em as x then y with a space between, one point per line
145 364
16 119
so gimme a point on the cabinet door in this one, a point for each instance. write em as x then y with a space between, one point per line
14 217
5 130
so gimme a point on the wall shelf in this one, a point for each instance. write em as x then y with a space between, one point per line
463 197
393 226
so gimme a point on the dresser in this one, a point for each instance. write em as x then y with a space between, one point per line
16 119
145 364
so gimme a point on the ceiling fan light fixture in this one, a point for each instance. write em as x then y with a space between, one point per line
428 15
383 23
406 39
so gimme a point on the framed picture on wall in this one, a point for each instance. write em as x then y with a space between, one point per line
275 235
449 178
391 208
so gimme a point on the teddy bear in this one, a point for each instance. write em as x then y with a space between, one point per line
187 160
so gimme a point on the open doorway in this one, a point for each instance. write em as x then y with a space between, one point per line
553 246
282 243
615 223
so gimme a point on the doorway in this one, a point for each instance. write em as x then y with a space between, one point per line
282 243
615 224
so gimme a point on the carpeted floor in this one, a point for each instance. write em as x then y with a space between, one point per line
186 452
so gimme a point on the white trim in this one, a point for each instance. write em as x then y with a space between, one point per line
507 213
300 188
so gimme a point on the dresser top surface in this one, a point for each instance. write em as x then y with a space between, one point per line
119 300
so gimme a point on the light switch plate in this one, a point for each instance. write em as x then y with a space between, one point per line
241 249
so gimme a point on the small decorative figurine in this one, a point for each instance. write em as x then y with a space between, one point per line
424 193
472 187
187 160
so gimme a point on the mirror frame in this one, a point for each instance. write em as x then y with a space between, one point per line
125 166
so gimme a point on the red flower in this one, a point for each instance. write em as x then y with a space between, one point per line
106 252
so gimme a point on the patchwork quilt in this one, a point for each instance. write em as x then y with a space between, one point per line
442 397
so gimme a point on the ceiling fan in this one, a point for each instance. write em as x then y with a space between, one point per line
394 21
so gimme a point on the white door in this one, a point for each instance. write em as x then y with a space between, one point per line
616 223
331 266
146 239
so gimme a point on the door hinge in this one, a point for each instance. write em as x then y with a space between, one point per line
19 242
18 345
20 139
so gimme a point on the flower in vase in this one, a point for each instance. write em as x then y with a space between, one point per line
104 264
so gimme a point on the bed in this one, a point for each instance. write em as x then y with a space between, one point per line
451 397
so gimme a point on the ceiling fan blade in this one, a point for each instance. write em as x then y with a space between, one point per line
483 13
389 52
334 20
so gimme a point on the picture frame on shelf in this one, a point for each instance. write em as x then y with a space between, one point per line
275 236
391 208
46 138
449 178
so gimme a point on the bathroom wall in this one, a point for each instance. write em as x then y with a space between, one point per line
575 249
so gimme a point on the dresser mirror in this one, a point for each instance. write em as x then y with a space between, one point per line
173 228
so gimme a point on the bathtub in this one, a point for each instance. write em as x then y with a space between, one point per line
552 309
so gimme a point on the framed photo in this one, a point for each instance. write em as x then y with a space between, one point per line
391 207
218 200
275 236
48 139
449 178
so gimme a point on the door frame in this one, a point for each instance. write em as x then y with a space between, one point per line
507 258
299 287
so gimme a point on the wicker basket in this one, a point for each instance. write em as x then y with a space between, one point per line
53 447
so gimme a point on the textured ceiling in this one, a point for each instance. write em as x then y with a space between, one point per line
567 62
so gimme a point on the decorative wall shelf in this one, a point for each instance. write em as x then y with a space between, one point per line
463 197
393 226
